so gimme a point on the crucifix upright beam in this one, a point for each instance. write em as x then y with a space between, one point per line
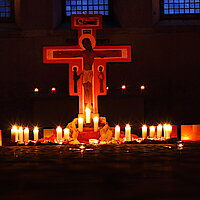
87 62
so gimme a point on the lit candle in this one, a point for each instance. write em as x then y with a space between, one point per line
96 123
59 134
168 131
80 124
165 128
128 132
152 130
88 115
26 134
159 131
117 132
66 133
14 134
36 133
0 138
20 134
144 131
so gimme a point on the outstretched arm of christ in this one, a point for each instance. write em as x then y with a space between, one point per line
67 54
108 53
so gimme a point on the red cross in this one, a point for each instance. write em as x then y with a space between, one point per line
82 59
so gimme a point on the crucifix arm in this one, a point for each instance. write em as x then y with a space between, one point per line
67 54
108 53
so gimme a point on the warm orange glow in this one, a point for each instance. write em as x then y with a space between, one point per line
117 132
20 134
144 131
128 132
88 115
14 133
152 130
96 123
36 133
66 133
123 87
59 134
53 89
80 124
142 87
26 134
36 90
159 130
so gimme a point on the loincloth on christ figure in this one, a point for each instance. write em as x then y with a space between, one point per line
87 76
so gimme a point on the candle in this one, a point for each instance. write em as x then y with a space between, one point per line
128 132
20 134
59 134
117 132
167 131
159 131
152 131
14 134
26 134
165 128
36 133
0 138
66 133
80 124
88 115
144 131
96 123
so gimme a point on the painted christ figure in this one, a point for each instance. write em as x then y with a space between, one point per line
88 56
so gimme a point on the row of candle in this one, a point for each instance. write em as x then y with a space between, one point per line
88 120
157 132
127 132
20 134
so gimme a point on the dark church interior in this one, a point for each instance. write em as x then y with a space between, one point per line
165 59
160 85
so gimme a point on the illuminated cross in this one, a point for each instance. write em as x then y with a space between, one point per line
87 62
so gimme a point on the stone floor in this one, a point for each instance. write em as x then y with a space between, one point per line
120 172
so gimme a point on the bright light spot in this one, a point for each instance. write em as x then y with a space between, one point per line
107 88
142 87
58 129
53 89
186 138
36 90
123 87
14 128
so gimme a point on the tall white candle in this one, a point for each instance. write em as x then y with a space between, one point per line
20 134
26 134
168 131
144 131
152 131
88 115
36 133
117 132
80 124
159 131
165 128
14 134
96 123
128 132
66 133
59 134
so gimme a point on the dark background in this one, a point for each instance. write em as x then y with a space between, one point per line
165 57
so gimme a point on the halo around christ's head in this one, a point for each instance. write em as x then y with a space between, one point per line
92 39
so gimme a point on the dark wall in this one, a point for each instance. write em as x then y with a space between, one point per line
165 58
